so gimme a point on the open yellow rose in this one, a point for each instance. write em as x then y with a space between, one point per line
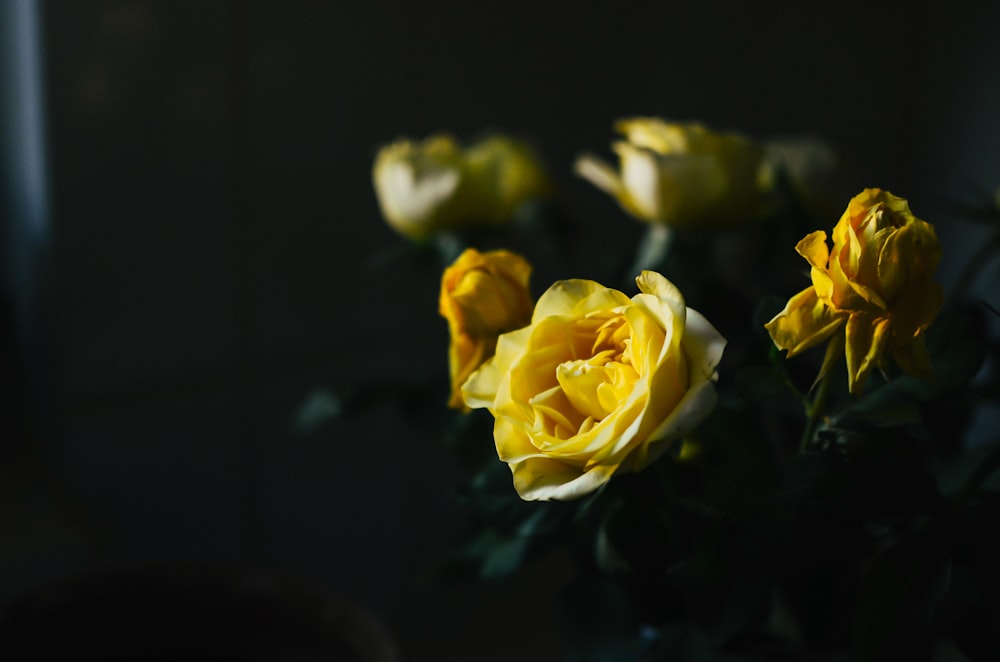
436 185
597 384
482 296
683 174
876 286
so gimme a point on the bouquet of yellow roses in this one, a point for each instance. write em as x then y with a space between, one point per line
746 429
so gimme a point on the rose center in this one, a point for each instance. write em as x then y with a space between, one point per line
595 386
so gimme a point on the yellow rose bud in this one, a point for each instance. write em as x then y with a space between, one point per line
482 296
683 174
435 186
877 284
597 384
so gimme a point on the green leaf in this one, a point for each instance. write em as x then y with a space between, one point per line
607 557
896 607
745 602
545 518
978 467
320 407
496 555
505 557
639 534
591 503
685 642
904 413
492 497
781 621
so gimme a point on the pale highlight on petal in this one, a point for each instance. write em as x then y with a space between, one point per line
599 173
704 343
640 174
407 194
541 479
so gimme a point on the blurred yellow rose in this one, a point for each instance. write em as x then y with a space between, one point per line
877 284
683 174
436 185
482 296
506 173
597 384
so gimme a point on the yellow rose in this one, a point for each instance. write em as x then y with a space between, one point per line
482 296
506 173
877 284
434 186
597 384
683 174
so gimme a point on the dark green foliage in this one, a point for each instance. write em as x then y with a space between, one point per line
871 537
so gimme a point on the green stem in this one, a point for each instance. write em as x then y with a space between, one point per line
816 408
653 249
449 246
814 413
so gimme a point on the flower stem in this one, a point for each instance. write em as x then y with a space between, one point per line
449 246
814 413
653 249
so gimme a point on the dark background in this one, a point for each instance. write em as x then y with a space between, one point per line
212 251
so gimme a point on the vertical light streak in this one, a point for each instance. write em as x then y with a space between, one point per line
25 211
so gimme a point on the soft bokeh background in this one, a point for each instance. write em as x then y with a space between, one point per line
205 249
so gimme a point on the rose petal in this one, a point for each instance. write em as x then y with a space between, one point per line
642 182
601 174
483 386
541 479
703 344
864 345
814 249
565 296
805 322
912 357
696 405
